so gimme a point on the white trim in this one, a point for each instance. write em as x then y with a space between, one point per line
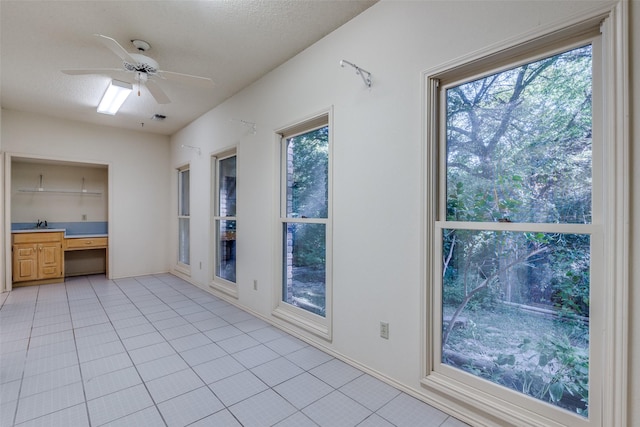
183 269
2 245
520 226
305 320
613 311
8 261
179 265
616 69
225 286
531 41
216 282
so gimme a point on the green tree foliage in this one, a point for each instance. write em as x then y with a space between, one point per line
309 174
308 194
519 150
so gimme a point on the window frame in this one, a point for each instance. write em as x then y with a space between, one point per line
306 320
607 350
217 282
184 268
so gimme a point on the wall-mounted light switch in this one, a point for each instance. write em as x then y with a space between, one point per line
84 217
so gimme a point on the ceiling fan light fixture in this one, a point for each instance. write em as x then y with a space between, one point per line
114 97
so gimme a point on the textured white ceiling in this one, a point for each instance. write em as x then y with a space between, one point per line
233 42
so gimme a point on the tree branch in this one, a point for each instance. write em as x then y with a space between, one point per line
483 285
448 258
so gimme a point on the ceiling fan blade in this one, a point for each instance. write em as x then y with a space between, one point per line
204 82
157 93
107 71
115 47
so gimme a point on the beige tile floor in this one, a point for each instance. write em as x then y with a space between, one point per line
158 351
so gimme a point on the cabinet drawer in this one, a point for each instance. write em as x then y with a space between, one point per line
85 243
39 237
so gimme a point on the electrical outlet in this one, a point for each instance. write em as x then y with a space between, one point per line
384 330
255 285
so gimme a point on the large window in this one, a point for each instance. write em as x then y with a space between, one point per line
183 217
517 235
224 221
519 151
305 224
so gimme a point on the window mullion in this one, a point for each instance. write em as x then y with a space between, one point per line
323 221
519 226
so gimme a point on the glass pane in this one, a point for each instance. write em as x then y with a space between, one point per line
226 253
183 240
516 311
227 189
304 266
519 143
307 174
184 193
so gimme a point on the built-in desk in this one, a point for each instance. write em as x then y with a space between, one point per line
86 254
81 242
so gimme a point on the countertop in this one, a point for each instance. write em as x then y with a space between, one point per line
66 236
39 230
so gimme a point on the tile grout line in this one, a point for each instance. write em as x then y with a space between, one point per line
288 379
214 342
75 343
225 407
129 355
333 389
26 353
170 295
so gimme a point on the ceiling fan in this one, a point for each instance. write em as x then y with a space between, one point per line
146 70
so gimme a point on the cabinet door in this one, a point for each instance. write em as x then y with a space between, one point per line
49 260
25 262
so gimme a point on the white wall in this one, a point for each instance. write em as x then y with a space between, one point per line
139 188
53 206
377 166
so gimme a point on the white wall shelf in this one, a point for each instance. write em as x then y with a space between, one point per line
38 190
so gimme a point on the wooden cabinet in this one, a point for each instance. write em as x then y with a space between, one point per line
50 260
25 262
37 257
